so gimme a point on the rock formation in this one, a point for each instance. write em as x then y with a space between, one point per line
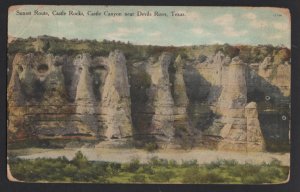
163 118
282 79
85 99
265 68
116 104
54 85
231 106
241 131
107 98
234 94
181 100
255 139
16 102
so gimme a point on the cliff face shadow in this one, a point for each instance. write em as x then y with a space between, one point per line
273 110
198 90
70 77
141 111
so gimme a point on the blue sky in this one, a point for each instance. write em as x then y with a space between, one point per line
200 25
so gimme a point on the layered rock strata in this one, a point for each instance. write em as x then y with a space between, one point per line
163 103
181 101
85 97
241 131
16 102
116 103
231 107
255 139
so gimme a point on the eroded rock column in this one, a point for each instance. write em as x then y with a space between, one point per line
85 99
231 106
16 102
163 104
116 103
181 100
255 139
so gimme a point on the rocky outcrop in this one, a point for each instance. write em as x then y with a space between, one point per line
255 139
53 81
266 68
181 100
108 98
87 122
16 102
231 107
160 91
116 104
282 79
234 93
241 131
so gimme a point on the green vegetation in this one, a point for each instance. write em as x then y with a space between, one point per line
151 146
156 170
60 46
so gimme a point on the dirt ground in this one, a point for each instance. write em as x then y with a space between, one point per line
125 155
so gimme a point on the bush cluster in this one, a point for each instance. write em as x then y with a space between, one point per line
156 170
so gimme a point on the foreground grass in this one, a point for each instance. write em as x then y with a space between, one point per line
80 169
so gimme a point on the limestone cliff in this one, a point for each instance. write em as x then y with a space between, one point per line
234 93
181 101
116 104
16 102
96 97
255 139
231 106
163 118
85 99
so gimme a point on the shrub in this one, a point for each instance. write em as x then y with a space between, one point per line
131 167
150 147
195 176
138 178
155 161
147 169
162 176
191 175
172 163
189 163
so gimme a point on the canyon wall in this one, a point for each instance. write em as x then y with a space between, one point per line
165 99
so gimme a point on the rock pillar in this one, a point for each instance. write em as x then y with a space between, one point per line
85 99
255 140
231 106
163 104
181 100
116 103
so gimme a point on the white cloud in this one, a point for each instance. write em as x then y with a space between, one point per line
254 22
155 34
250 16
227 21
112 20
123 32
217 42
191 16
258 23
200 31
224 20
275 36
230 31
281 26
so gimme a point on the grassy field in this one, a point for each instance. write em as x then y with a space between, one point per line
156 170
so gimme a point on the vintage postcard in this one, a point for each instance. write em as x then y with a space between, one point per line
148 94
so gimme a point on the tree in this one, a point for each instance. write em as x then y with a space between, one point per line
282 56
80 160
